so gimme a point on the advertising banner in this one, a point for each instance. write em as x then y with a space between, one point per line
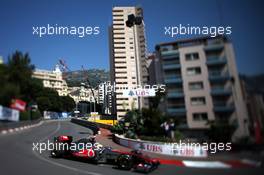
55 115
8 114
18 104
139 93
174 149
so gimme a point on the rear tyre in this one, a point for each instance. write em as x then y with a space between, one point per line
124 162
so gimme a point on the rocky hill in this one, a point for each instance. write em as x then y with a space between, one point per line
95 76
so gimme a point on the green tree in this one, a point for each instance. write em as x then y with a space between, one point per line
220 131
152 120
20 70
17 82
43 103
68 103
15 77
155 101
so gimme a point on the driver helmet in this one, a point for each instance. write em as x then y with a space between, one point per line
92 139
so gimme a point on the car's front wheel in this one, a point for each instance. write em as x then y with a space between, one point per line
56 154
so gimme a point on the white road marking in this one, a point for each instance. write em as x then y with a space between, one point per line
205 164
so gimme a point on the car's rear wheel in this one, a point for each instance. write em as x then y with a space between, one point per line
124 162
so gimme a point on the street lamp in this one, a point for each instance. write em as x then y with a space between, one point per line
133 20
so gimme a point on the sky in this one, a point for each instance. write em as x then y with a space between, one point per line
17 19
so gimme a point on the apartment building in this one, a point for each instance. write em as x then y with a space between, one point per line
127 58
52 79
105 97
82 93
202 82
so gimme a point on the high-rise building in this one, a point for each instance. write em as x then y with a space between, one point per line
202 82
127 58
105 97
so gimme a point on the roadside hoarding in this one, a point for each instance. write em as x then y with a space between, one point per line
172 149
18 104
8 114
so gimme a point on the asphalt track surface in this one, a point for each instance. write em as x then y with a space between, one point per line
17 156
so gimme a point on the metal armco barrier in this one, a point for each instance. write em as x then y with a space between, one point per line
91 125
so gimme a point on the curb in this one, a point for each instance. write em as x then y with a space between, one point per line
245 163
21 128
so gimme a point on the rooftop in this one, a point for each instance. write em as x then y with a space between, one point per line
206 40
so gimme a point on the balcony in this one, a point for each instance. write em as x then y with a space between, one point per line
221 91
171 66
177 111
169 54
214 47
218 76
223 108
175 94
215 60
172 79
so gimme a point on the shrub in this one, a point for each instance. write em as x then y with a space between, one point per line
25 115
117 129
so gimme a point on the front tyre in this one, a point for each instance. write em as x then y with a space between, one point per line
56 154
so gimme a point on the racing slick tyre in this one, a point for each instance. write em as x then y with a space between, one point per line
124 162
56 154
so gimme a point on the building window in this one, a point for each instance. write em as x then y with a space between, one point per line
196 85
194 71
200 117
197 101
114 15
192 56
118 10
118 20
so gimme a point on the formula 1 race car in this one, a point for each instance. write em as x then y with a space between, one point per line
90 150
